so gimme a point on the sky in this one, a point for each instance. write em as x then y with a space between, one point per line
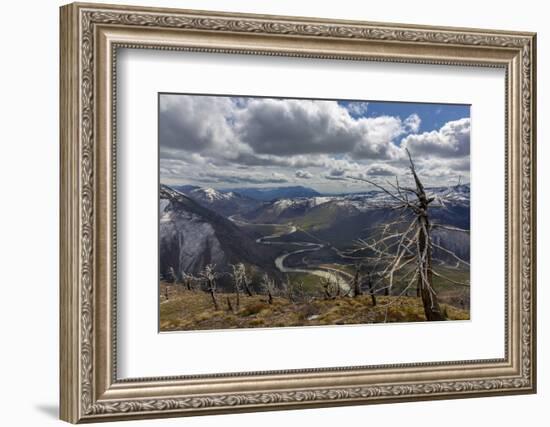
329 145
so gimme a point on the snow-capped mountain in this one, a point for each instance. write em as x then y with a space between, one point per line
286 209
224 203
269 194
458 195
210 194
282 205
345 218
192 236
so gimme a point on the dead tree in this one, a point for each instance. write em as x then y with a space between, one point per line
338 289
287 289
300 291
209 275
246 280
172 275
370 287
356 283
330 289
402 248
268 286
238 275
187 280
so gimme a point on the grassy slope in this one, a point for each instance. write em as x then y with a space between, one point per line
192 310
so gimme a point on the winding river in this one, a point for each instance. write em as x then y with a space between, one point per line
337 276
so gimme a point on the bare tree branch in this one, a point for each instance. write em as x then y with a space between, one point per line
451 228
451 253
448 279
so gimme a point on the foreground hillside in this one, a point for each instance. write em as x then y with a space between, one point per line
181 309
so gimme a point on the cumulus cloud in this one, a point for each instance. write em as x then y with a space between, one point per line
358 108
335 178
266 131
195 123
224 140
303 174
377 136
297 127
236 178
452 140
299 161
412 123
345 169
383 170
338 171
291 126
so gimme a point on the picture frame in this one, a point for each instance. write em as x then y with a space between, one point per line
91 36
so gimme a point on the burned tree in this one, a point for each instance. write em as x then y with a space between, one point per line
209 275
287 289
247 282
238 275
369 284
356 282
299 292
268 285
402 247
187 280
172 277
229 305
331 290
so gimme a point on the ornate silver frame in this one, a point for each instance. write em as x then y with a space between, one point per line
90 36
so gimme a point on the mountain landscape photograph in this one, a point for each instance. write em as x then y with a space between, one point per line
280 212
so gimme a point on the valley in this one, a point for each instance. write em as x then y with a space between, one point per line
307 245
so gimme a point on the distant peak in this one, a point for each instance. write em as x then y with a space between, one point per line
211 194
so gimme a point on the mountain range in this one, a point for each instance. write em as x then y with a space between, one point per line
199 225
191 236
226 203
268 194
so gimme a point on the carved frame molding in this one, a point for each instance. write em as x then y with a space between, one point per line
90 36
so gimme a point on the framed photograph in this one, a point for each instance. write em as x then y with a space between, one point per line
266 212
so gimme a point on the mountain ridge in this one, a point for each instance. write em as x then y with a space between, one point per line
192 236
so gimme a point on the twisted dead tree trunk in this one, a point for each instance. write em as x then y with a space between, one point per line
402 249
425 249
209 275
269 287
172 277
187 280
331 290
356 283
229 305
371 288
287 289
238 274
246 284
